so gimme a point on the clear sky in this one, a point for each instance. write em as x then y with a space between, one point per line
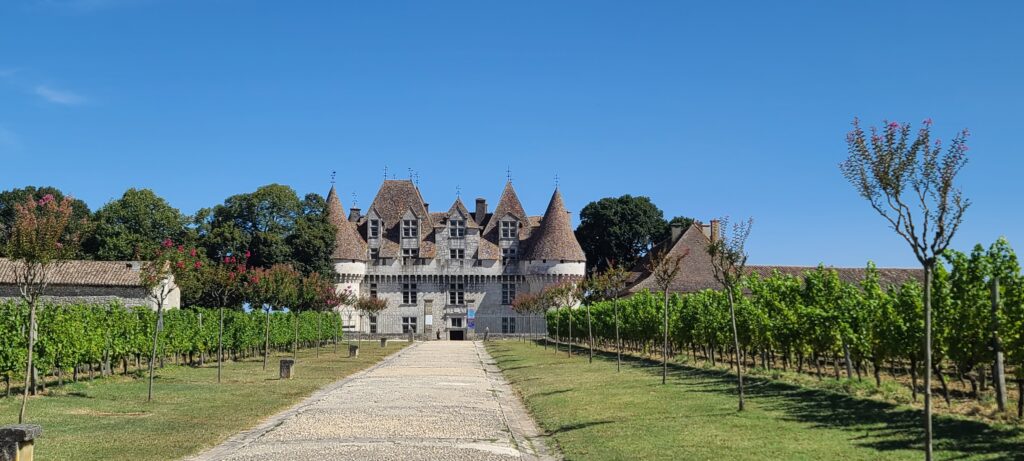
710 108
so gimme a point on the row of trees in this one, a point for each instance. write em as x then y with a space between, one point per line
818 320
99 339
274 223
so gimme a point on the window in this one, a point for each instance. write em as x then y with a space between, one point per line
373 290
509 229
456 322
374 228
373 324
408 293
457 253
508 325
409 228
456 293
457 228
508 293
411 252
374 253
408 324
508 254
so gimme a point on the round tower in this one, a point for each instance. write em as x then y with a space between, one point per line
349 255
554 255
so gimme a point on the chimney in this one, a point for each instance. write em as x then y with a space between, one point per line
353 214
481 210
716 231
426 206
677 231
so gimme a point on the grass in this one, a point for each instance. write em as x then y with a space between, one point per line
110 419
592 412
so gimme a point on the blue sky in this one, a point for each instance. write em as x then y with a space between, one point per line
710 108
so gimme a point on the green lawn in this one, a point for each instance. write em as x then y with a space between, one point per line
110 419
592 412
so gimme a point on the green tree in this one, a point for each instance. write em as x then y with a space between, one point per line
132 227
312 239
911 184
260 221
622 229
729 260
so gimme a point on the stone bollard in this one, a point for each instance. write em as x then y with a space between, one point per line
286 368
383 342
353 350
410 337
16 442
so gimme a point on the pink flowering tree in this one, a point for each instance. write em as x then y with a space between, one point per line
911 182
170 261
38 244
225 282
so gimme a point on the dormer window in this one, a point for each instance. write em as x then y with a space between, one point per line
457 253
509 229
457 228
410 252
410 228
508 255
374 228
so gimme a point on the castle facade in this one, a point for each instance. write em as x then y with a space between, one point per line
449 274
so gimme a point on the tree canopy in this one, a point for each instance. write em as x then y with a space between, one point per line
622 230
132 227
79 224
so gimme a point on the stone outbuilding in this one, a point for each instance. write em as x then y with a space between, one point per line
90 282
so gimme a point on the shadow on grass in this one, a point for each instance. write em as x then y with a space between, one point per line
882 426
577 426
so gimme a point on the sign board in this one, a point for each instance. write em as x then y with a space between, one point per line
429 320
471 323
471 313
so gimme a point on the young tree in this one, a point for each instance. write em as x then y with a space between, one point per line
610 285
317 294
369 306
158 277
729 260
910 182
273 288
225 282
665 268
38 243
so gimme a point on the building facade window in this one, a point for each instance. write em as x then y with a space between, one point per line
409 228
374 253
457 228
410 252
508 325
408 324
509 229
373 229
457 253
373 324
456 293
456 322
508 254
373 290
408 293
508 293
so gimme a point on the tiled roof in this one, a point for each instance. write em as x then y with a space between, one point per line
395 198
696 272
348 244
459 207
508 204
554 239
488 250
82 273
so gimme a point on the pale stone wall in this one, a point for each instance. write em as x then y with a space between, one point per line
129 296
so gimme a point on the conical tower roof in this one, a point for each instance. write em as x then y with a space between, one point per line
554 239
347 242
508 204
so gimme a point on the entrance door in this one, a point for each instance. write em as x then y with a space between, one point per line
456 335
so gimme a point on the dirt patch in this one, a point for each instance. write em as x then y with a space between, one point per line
88 412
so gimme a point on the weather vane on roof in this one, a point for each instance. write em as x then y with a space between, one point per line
416 178
333 173
385 172
556 180
508 174
410 174
355 202
458 191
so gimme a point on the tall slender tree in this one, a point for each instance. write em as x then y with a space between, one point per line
38 244
665 267
729 260
911 182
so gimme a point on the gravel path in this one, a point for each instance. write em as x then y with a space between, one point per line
433 400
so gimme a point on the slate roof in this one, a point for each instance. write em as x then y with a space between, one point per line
508 204
83 273
348 244
395 198
554 239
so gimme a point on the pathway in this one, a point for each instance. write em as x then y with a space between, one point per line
433 400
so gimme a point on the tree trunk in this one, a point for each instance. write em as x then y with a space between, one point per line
568 341
928 266
28 366
7 385
913 379
846 358
156 339
295 343
556 330
998 371
618 342
318 334
942 380
876 368
590 334
220 344
736 340
664 349
1020 396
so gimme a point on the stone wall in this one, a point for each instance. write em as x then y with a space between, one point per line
129 296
